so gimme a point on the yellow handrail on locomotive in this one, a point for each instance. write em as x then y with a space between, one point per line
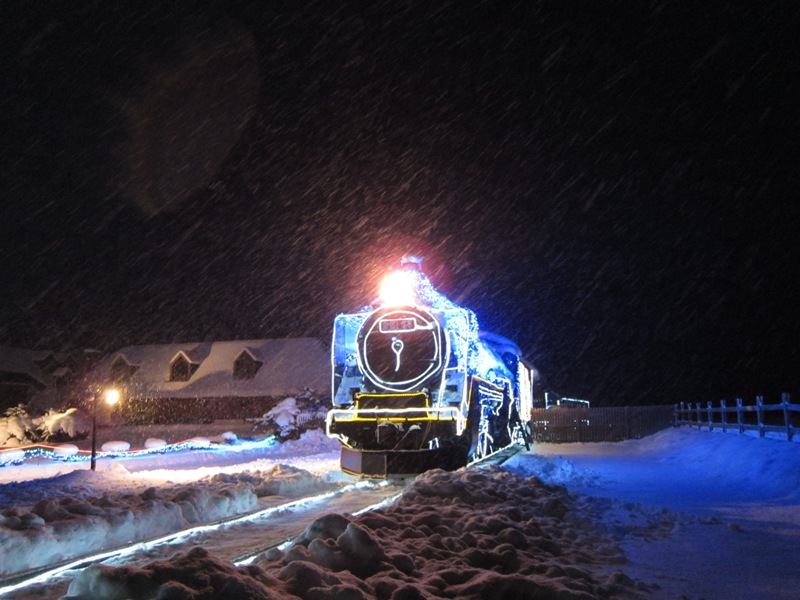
433 413
410 402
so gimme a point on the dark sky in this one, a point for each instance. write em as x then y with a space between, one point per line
612 185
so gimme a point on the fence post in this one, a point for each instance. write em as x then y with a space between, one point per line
786 418
724 416
699 416
627 424
710 419
760 413
739 415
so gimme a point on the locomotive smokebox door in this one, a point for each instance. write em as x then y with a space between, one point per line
400 347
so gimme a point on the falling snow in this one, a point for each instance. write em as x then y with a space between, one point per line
608 186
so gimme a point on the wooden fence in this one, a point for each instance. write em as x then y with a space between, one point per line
782 418
611 424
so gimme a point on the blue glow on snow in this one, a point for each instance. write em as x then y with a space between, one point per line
47 453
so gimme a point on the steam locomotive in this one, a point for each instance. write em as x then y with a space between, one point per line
416 385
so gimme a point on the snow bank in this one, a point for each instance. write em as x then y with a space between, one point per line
469 534
85 511
77 521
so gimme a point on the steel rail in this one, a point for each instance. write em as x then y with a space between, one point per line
22 579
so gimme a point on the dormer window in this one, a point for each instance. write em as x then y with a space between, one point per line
121 370
181 368
246 366
47 363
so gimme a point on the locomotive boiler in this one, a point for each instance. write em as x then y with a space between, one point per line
416 385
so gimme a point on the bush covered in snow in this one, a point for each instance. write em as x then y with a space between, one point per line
72 424
294 415
18 428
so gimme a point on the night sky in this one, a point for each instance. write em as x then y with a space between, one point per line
612 185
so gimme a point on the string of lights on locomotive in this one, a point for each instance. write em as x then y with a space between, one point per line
417 386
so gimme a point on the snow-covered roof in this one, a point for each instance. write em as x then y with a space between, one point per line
289 365
25 362
501 343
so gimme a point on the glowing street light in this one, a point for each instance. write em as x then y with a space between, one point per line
111 397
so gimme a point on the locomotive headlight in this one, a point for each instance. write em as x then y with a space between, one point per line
398 289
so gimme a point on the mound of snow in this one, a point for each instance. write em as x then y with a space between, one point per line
199 441
66 450
116 446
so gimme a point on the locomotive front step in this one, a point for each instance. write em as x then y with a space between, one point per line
382 463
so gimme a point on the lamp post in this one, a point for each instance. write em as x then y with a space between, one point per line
111 398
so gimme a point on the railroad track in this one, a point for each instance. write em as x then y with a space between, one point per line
229 539
496 458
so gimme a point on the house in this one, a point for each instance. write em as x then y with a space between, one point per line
191 382
38 377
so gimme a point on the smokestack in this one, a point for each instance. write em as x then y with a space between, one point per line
411 263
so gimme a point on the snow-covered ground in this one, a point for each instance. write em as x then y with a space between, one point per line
681 514
702 514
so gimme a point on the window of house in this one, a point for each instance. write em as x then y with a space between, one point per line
181 368
246 366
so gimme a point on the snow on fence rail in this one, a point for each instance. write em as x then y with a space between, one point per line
609 424
782 418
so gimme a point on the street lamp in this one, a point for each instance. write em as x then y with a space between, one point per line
111 398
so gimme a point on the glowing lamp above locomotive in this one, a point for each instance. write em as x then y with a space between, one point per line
415 386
